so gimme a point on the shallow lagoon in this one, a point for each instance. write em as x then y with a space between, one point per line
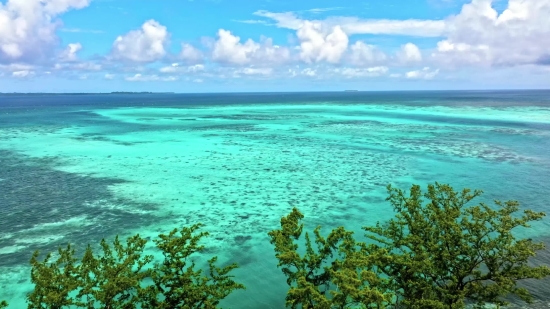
80 168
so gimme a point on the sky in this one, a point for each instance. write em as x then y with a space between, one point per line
273 45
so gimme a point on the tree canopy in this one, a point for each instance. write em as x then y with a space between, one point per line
441 250
444 252
120 275
332 274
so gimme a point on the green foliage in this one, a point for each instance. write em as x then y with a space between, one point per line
441 253
3 304
334 275
113 279
119 277
176 282
110 280
54 280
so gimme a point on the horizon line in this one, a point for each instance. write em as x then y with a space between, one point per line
274 92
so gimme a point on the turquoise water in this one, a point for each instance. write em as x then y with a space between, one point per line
77 168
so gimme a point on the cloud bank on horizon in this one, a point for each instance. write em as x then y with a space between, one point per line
65 44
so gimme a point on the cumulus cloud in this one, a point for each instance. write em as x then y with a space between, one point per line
480 36
425 73
69 54
409 53
317 44
143 45
191 54
477 35
228 49
28 28
365 54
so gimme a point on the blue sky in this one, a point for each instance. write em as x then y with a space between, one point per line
268 45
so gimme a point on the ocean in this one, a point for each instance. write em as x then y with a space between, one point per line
79 168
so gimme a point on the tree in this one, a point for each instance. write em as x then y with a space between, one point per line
3 304
121 276
444 253
336 275
114 278
110 280
176 282
54 281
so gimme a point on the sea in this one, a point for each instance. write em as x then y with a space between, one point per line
78 168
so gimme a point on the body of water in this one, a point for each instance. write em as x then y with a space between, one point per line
79 168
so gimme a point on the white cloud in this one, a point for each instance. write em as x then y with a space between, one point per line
477 35
69 54
251 21
79 30
170 69
228 49
365 54
148 78
409 53
143 45
109 76
141 78
353 25
322 10
177 68
309 72
284 20
78 66
480 36
362 72
425 73
22 74
28 28
195 68
411 27
317 45
191 54
254 71
170 79
16 67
